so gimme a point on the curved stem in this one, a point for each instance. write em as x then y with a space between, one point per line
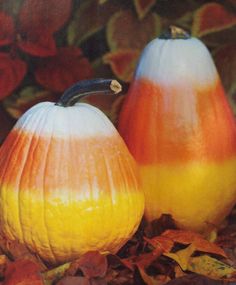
87 87
174 33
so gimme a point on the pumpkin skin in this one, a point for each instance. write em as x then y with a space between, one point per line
178 125
68 183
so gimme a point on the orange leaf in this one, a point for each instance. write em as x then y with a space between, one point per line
126 31
143 7
23 272
188 237
212 17
163 243
123 63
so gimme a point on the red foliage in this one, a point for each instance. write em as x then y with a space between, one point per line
12 71
62 70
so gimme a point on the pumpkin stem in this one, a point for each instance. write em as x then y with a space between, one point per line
87 87
174 33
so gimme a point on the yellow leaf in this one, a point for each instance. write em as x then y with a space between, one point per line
182 257
210 267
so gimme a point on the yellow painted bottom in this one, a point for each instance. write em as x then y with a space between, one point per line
198 195
59 231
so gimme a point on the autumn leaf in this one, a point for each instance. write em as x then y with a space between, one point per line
125 31
182 256
212 17
210 267
7 29
74 280
143 7
163 243
92 264
23 272
12 71
83 26
122 63
199 242
52 275
193 279
58 72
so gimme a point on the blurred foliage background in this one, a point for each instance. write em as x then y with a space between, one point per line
47 45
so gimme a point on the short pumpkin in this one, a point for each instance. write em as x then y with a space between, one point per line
68 183
179 127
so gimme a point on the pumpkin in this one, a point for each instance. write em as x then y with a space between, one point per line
68 183
178 125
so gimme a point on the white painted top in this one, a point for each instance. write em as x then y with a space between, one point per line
177 60
80 120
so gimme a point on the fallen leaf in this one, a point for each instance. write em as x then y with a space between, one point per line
23 272
182 256
93 264
162 243
193 279
52 275
210 267
123 25
122 63
212 17
199 242
74 280
150 280
143 7
59 72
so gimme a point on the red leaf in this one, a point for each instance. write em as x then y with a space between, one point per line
62 70
93 264
212 17
143 7
188 237
12 71
123 63
40 15
7 29
23 272
38 44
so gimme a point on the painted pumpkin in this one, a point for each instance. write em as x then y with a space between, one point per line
179 127
68 183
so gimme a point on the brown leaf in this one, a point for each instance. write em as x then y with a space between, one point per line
125 31
123 63
199 242
143 7
74 280
150 280
193 279
82 27
210 18
161 243
93 264
23 272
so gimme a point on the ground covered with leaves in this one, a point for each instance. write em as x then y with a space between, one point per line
158 254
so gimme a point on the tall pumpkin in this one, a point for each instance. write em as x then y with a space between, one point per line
68 183
179 127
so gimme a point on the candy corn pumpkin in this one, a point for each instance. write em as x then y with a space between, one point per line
178 125
68 183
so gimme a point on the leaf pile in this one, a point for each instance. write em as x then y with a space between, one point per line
170 257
